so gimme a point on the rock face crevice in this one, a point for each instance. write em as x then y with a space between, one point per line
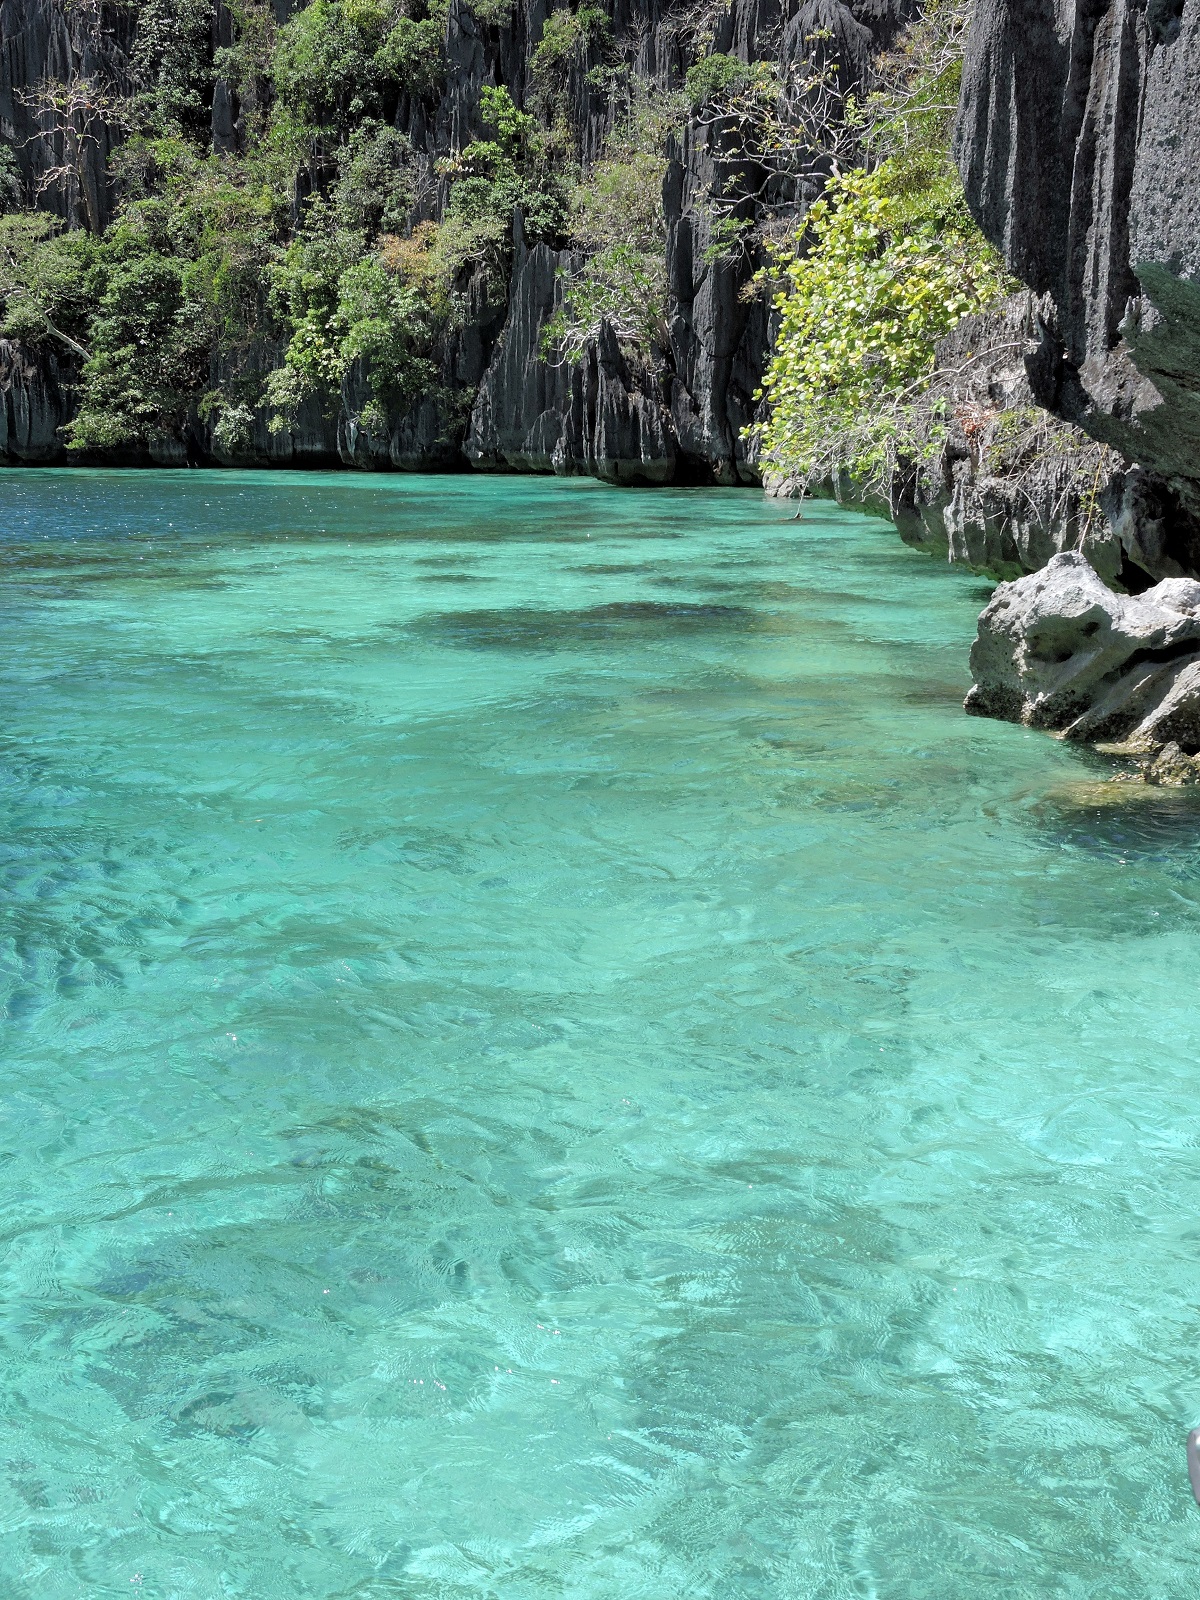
1079 144
35 400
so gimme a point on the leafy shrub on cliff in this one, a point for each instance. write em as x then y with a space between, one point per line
338 61
714 78
10 181
886 273
246 65
149 342
44 281
493 13
520 166
345 307
171 67
617 219
411 52
890 260
375 185
567 39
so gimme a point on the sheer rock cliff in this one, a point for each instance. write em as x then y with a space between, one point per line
609 415
1079 143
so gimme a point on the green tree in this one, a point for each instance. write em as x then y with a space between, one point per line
149 344
889 261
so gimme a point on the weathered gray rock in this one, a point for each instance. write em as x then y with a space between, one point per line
44 39
1172 769
602 415
1060 650
35 402
1079 144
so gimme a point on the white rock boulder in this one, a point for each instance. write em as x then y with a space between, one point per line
1059 650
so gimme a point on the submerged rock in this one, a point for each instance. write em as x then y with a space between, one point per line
1172 769
1060 650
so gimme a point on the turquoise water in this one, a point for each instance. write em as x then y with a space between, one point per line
543 1056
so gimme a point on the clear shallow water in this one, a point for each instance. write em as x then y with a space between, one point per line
543 1056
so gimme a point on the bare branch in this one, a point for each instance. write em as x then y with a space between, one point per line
75 116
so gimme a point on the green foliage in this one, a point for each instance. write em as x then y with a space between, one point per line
247 64
324 67
567 37
617 219
517 133
178 277
343 306
44 280
338 61
171 67
149 340
909 113
222 220
493 13
411 53
521 165
375 186
10 180
889 262
888 271
714 78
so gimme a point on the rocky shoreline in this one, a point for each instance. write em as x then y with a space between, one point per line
1061 651
1064 427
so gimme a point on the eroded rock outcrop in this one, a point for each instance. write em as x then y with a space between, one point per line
1002 486
35 403
602 415
1079 143
1060 650
1006 485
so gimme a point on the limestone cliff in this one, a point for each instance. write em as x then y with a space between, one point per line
47 41
514 410
1079 143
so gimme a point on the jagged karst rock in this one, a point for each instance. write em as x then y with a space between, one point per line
35 402
601 415
1079 143
45 40
609 415
1060 650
